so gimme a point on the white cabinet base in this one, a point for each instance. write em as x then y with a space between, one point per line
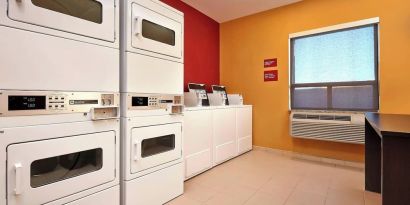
244 144
224 135
225 152
198 132
244 129
155 188
214 135
198 163
109 196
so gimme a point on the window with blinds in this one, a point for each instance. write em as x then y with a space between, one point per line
336 70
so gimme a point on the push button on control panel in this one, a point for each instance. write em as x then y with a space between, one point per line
153 101
57 102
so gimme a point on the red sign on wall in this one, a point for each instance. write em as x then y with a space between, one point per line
270 63
270 75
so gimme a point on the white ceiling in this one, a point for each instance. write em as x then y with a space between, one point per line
226 10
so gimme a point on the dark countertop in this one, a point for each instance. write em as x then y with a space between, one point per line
389 124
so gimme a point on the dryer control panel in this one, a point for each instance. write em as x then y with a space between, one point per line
173 103
28 103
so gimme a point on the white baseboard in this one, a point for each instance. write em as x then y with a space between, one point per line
295 155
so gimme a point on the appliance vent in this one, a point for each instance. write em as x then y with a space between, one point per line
343 118
329 127
313 117
327 117
299 116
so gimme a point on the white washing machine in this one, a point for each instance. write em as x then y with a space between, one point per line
152 162
59 45
59 148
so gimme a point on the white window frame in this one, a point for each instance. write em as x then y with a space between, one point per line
333 28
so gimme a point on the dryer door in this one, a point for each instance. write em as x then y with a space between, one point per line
42 171
92 18
155 145
155 32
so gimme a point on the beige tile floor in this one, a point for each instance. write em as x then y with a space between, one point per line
263 177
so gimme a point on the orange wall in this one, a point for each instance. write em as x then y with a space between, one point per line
246 42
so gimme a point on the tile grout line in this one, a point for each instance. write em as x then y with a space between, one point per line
364 198
257 190
327 191
294 189
250 197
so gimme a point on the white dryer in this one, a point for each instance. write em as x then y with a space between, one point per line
152 160
152 48
152 76
59 148
59 99
59 45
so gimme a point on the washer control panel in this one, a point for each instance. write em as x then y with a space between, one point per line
26 103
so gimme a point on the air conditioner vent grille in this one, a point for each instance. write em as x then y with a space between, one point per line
337 128
313 117
343 118
299 116
327 117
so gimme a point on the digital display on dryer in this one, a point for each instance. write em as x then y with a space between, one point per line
26 103
139 101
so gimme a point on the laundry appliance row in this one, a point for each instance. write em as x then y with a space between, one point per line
91 102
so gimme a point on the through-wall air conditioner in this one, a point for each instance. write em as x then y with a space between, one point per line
336 127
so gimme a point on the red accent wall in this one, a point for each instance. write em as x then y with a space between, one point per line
201 45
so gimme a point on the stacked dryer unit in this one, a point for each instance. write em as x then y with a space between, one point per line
59 100
152 101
